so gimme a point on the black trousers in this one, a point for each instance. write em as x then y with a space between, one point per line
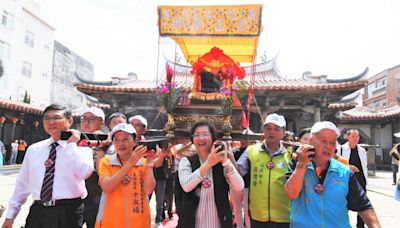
257 224
66 214
360 222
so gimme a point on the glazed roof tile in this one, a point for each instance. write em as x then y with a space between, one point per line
365 113
266 78
20 106
342 106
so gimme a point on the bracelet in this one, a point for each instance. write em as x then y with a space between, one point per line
150 165
301 165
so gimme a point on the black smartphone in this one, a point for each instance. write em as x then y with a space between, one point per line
66 134
151 144
311 155
219 144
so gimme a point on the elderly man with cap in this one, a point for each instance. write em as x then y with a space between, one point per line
322 189
126 178
92 120
267 163
140 125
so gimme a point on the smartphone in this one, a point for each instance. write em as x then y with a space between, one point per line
219 144
311 155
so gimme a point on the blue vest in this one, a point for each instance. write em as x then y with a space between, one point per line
328 209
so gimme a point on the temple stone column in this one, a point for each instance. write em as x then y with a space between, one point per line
14 121
373 152
317 114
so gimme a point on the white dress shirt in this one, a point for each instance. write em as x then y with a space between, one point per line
73 165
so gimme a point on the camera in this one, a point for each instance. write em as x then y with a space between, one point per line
88 136
219 144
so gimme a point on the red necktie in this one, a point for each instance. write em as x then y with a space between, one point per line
47 187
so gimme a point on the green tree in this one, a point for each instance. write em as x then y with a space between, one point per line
26 98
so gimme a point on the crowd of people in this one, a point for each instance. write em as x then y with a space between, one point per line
17 153
280 181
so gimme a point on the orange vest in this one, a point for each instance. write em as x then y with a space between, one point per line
127 205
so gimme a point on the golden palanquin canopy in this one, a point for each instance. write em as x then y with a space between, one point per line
197 29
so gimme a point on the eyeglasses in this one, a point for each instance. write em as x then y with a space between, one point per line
54 118
204 135
89 120
138 125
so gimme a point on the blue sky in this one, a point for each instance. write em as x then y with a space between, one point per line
336 38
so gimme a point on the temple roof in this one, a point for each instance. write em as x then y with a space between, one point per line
365 113
21 107
266 78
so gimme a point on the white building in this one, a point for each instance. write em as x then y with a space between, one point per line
66 66
26 51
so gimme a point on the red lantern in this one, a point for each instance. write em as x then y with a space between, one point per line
2 119
36 124
14 120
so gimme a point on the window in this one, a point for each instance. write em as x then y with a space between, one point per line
384 104
383 82
4 50
29 38
376 104
7 20
26 69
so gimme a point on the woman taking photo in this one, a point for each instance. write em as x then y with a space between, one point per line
126 179
205 179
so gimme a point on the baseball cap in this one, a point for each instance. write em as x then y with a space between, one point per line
128 128
247 131
397 134
94 110
140 118
318 126
275 119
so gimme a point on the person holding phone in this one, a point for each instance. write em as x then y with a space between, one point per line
92 121
206 178
267 164
322 190
126 179
54 172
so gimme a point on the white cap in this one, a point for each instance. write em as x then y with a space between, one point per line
140 118
275 119
247 131
318 126
397 134
94 110
128 128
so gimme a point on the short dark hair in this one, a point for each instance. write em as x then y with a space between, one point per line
210 126
303 132
116 114
57 107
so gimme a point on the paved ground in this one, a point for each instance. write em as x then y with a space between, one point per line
380 191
